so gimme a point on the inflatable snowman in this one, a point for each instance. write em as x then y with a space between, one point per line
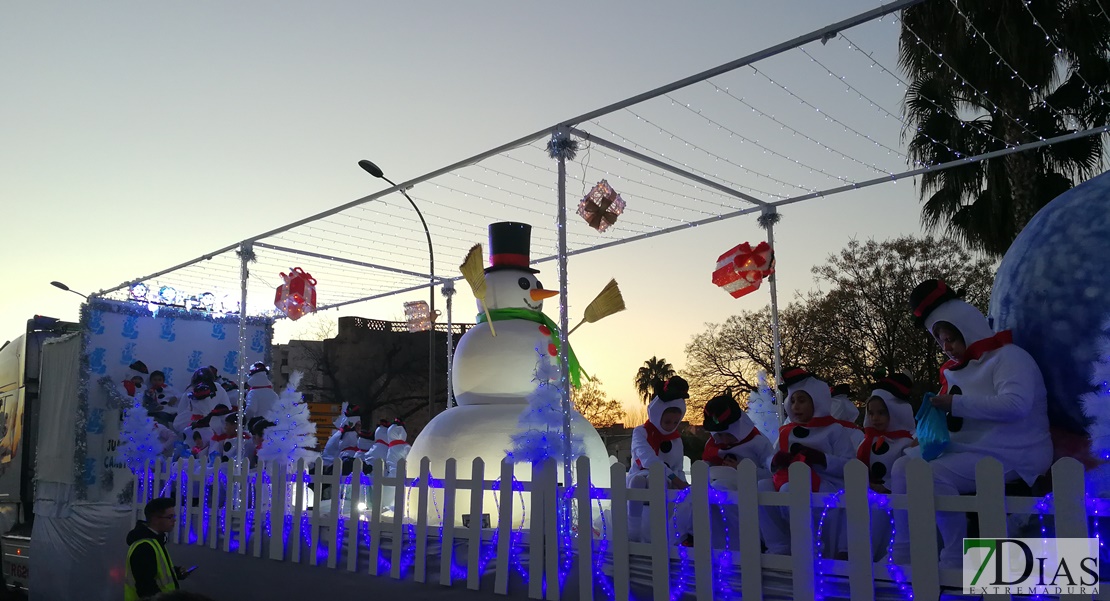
492 376
261 398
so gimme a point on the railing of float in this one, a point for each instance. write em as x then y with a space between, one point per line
302 514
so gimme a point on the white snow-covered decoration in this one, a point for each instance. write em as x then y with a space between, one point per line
540 435
762 408
293 435
140 442
1096 407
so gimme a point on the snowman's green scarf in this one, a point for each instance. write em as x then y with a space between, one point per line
539 317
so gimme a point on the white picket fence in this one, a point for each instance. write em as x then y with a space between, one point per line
259 512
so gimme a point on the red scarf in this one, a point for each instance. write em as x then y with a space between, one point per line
873 438
656 438
259 387
396 443
782 476
130 387
973 353
712 453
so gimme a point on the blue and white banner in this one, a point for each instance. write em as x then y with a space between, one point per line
172 341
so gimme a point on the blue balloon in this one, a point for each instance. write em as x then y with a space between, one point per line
1053 291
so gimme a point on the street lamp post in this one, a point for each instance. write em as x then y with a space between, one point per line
376 171
61 286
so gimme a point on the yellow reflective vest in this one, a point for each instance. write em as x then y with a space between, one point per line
164 577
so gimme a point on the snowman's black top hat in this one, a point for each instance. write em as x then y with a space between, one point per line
509 244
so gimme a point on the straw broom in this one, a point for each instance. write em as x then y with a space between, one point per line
476 277
608 302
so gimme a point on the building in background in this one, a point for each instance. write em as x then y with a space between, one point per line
379 365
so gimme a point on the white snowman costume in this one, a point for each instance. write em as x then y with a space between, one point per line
750 444
999 409
399 446
379 446
132 390
652 444
846 411
261 397
831 447
882 448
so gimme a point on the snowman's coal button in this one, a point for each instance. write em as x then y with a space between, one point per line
545 330
551 350
878 472
665 446
881 449
801 431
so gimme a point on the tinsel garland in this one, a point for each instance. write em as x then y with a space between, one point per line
1096 407
541 424
115 399
562 146
81 432
769 218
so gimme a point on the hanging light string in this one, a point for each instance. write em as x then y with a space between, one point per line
796 132
828 117
965 82
1102 10
650 151
974 125
732 133
886 114
1060 52
627 210
715 156
975 33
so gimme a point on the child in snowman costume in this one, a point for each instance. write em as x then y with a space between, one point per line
379 447
845 411
161 401
658 440
733 438
343 443
261 397
997 406
132 386
399 446
201 397
814 437
889 429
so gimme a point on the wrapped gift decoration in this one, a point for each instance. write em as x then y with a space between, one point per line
297 295
743 268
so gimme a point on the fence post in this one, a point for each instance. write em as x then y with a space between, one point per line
421 563
618 531
474 550
447 539
1069 499
398 545
861 575
504 529
803 562
703 551
920 503
585 530
279 508
660 545
751 553
353 517
990 501
536 541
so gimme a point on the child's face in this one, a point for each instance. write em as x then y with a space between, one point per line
670 420
157 380
196 438
725 438
230 427
801 407
877 413
951 341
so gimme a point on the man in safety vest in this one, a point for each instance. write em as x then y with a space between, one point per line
149 568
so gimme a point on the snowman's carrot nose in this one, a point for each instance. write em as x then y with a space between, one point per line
539 294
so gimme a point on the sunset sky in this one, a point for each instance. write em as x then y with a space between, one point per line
140 135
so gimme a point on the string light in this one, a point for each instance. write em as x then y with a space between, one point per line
1060 52
794 131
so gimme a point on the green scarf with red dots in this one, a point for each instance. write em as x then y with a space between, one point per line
540 318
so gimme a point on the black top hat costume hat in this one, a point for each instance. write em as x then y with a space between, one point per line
898 384
841 390
927 296
793 375
720 413
673 389
509 246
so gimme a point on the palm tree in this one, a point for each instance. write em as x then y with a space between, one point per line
987 74
653 369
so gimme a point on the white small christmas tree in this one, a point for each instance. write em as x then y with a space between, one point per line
540 435
1096 406
293 434
763 408
139 440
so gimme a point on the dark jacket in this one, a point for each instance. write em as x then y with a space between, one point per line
144 565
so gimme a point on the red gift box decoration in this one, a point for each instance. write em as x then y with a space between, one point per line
297 296
741 270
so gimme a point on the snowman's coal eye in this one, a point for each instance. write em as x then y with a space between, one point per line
524 283
539 285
